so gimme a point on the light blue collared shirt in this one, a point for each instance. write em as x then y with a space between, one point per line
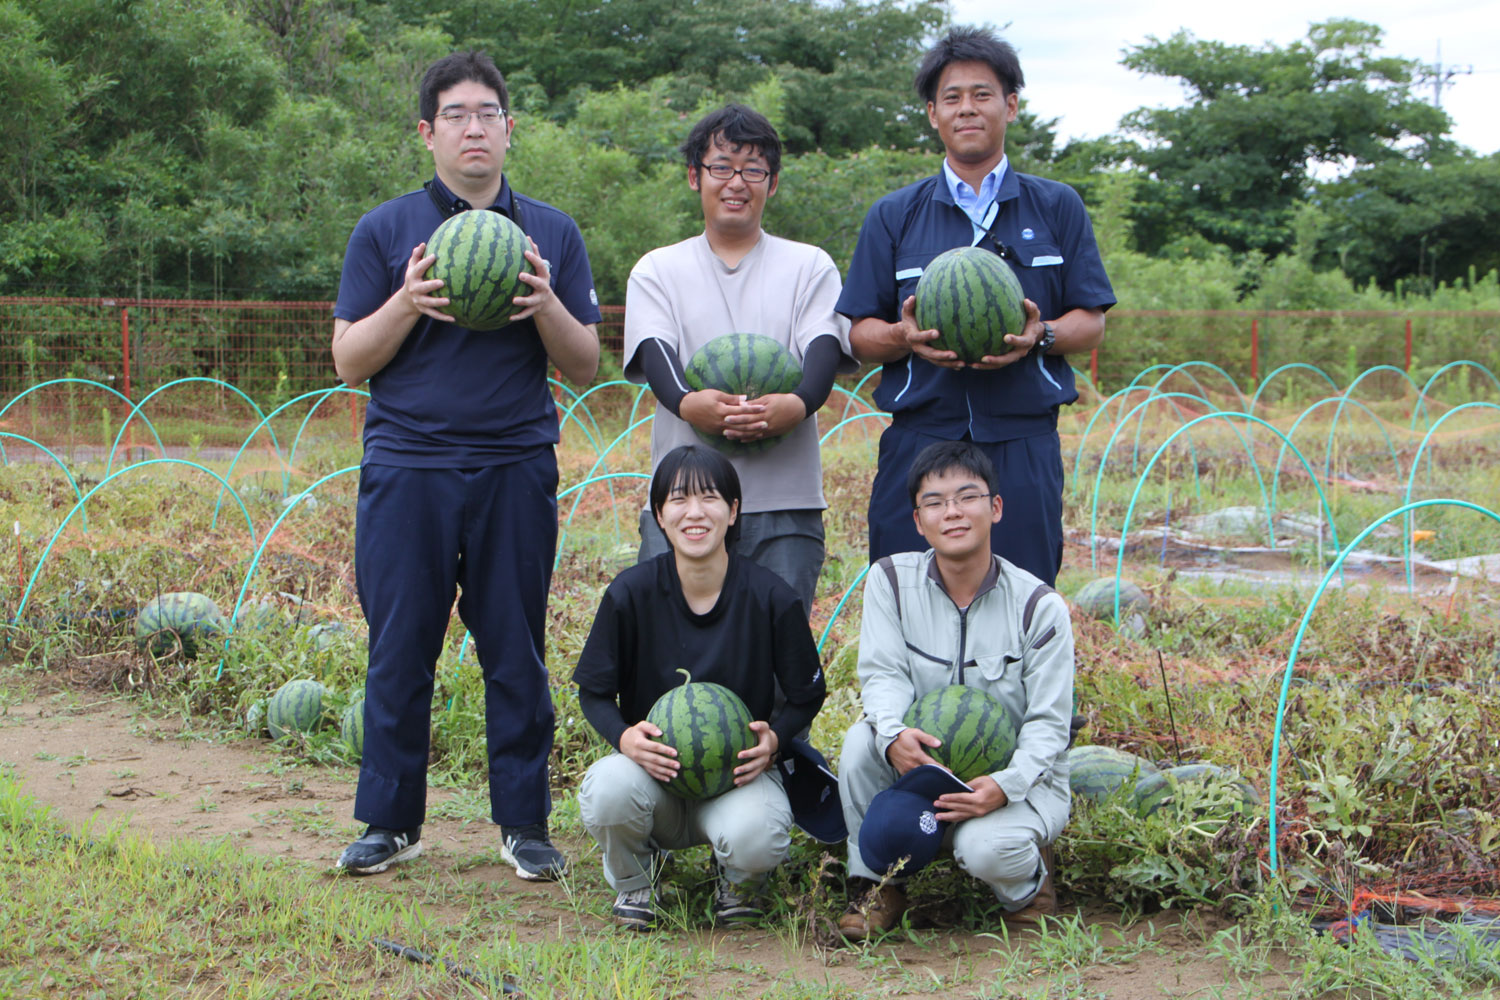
976 204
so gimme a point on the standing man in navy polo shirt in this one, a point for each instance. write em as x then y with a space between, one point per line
458 484
1006 403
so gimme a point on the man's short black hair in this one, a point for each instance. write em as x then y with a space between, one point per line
696 468
738 126
969 45
450 71
949 456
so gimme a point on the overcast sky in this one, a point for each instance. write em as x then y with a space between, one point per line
1071 52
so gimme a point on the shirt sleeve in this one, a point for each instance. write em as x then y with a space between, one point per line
816 314
648 314
573 278
1047 678
1085 284
886 687
871 287
799 670
820 364
597 673
365 283
665 375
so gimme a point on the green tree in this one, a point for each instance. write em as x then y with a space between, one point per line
1234 162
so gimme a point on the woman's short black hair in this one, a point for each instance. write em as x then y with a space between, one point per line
739 127
969 45
696 468
947 456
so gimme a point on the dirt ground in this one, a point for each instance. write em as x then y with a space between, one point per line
108 763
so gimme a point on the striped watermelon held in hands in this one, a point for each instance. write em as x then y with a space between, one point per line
480 257
743 364
977 732
709 727
973 299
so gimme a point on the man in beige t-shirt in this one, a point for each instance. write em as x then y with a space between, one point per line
737 278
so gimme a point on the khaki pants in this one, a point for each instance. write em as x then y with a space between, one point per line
1001 849
630 814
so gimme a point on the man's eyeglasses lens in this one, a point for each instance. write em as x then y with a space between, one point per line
723 172
487 116
964 501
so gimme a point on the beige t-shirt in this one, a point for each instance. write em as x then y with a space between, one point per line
685 296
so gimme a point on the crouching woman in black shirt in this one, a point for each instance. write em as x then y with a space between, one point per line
702 608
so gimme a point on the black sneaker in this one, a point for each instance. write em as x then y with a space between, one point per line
737 902
380 848
528 848
636 908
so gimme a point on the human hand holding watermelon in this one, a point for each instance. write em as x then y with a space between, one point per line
780 414
758 758
709 411
1021 344
543 298
919 341
419 290
909 749
986 797
656 759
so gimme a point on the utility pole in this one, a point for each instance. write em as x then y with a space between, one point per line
1442 76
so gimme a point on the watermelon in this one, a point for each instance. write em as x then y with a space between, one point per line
182 617
972 299
977 732
296 706
709 726
1097 598
742 364
480 255
1097 772
352 728
325 635
1219 788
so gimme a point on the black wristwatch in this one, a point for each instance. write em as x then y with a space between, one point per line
1047 339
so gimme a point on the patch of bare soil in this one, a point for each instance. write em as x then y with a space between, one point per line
107 763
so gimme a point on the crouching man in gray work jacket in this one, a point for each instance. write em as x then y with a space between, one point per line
956 614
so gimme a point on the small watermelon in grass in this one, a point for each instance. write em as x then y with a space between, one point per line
709 727
297 706
743 364
352 728
1218 791
480 257
973 299
1097 772
1097 598
977 732
182 617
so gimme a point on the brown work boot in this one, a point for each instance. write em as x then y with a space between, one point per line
869 914
1043 904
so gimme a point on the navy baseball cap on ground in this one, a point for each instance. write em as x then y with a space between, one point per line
812 789
902 822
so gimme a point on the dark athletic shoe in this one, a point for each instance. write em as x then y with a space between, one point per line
380 848
528 848
636 909
737 903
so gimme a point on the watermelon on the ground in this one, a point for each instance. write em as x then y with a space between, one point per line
182 616
480 257
1097 598
1097 772
973 299
1223 791
352 728
709 726
978 734
742 364
297 706
325 635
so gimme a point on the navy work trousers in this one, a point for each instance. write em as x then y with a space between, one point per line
420 535
1030 532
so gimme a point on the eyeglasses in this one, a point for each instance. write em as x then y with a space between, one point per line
488 117
964 501
724 172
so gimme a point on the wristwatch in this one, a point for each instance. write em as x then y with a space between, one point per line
1047 339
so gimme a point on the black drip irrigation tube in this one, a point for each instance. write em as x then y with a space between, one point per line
422 958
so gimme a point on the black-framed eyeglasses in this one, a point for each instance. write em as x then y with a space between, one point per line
724 172
488 117
964 501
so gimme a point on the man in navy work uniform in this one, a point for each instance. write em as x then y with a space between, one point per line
458 484
1007 403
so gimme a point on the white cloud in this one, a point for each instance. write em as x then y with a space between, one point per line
1071 52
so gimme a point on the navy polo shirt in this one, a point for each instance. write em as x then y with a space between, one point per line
454 397
1059 267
